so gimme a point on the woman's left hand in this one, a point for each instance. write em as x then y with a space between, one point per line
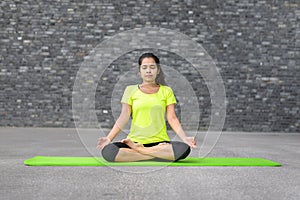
191 141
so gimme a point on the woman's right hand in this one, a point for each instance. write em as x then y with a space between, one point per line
102 142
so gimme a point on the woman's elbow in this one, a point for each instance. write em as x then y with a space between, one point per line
124 117
172 119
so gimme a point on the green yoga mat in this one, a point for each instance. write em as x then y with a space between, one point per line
189 161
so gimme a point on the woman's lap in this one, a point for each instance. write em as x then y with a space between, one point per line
180 149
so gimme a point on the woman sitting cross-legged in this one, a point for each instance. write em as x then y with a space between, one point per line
148 104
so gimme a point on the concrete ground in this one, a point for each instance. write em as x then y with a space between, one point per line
25 182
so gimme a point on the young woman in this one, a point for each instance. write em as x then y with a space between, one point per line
148 104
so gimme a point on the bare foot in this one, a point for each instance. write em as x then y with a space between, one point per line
162 143
132 145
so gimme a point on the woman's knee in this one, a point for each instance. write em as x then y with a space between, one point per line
109 152
181 150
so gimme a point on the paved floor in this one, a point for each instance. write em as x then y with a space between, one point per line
24 182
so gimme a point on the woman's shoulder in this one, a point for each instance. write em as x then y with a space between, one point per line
131 88
166 88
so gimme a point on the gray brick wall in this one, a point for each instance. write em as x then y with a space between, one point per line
255 45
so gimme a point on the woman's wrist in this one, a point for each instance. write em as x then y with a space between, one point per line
185 139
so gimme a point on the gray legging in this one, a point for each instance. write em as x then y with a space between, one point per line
180 149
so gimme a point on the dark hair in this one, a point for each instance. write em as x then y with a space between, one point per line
160 78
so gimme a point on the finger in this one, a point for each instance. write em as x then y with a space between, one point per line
100 147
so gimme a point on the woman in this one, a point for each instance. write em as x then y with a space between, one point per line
147 104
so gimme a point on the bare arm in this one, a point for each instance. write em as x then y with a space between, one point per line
176 126
118 126
121 121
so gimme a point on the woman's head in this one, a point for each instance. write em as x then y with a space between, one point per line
148 55
150 70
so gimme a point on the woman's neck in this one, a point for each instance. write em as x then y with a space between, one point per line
149 84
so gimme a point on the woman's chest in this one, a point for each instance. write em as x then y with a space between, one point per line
148 101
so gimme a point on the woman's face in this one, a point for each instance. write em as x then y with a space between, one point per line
148 70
